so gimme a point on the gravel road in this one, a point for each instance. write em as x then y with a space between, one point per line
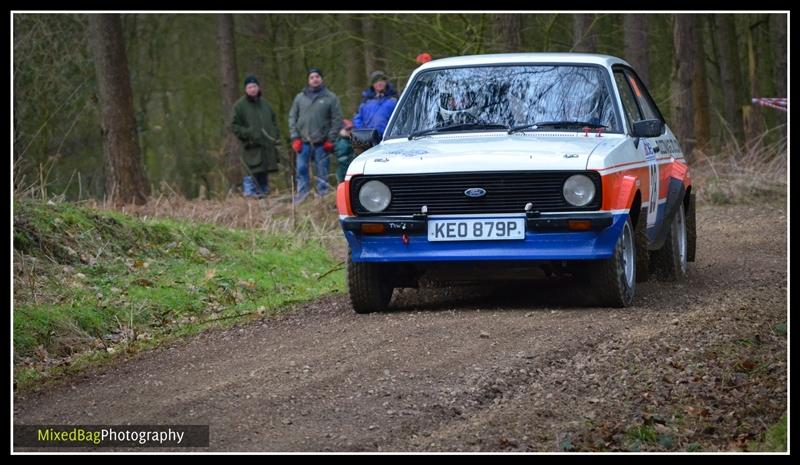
699 365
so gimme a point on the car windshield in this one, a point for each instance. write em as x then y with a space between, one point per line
506 96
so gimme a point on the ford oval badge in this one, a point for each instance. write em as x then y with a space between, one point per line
475 192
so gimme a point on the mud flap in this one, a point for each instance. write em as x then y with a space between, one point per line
691 229
675 194
642 255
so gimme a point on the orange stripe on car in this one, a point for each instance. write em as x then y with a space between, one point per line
643 163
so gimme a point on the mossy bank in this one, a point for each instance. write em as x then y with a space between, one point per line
89 284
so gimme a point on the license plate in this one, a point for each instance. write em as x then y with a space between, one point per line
478 229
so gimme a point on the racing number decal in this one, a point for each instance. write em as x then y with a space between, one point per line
652 205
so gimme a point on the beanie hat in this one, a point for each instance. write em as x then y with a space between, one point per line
424 57
251 79
376 76
314 70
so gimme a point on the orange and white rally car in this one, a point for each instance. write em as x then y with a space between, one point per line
494 165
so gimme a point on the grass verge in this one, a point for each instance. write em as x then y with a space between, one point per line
90 285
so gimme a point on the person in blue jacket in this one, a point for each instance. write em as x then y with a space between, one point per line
377 104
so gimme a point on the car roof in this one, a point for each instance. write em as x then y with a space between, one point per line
532 58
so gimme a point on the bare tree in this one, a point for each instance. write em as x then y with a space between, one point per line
777 25
700 102
228 86
636 45
257 30
371 45
584 37
753 117
507 30
728 59
126 181
778 40
681 92
354 57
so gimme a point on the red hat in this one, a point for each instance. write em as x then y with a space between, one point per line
346 123
424 57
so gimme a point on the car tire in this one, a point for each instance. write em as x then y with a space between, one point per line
614 280
670 261
369 288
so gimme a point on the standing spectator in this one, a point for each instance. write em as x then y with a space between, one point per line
254 124
377 103
344 149
314 121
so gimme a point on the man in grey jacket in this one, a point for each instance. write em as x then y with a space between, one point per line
314 121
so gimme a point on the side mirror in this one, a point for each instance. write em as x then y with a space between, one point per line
364 139
648 128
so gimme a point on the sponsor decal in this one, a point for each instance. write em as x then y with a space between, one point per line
652 203
667 146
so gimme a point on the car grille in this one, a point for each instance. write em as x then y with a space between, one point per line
506 192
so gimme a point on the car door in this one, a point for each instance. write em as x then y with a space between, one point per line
638 106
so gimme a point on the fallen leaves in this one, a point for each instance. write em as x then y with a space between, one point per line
697 411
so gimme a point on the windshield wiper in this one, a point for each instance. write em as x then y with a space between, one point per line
456 127
565 124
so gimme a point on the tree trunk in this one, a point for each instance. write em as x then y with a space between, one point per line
700 102
777 26
754 125
354 57
584 37
126 181
767 82
728 58
636 45
229 88
507 33
371 45
277 25
681 92
381 41
257 27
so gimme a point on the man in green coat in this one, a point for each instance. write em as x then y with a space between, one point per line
254 124
314 122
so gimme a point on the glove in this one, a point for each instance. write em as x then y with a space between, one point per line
297 145
327 146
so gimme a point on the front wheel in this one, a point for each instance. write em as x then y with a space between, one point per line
369 286
614 280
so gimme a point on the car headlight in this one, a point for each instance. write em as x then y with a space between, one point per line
579 190
375 196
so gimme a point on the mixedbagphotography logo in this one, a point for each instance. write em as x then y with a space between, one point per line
111 436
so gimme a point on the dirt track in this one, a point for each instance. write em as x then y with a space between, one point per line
697 365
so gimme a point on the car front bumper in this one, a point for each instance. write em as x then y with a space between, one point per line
547 237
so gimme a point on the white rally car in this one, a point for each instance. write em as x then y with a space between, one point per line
493 165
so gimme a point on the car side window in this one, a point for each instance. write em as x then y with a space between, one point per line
628 100
646 104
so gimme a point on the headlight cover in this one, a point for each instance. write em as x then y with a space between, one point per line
579 190
375 196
